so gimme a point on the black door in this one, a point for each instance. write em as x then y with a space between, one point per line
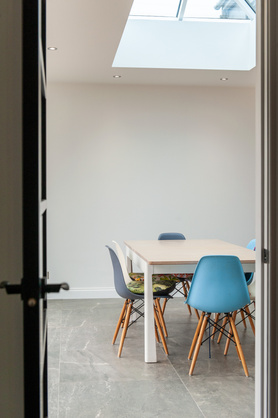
34 209
33 287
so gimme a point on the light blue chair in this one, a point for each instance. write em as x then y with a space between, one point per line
133 292
245 312
218 285
249 276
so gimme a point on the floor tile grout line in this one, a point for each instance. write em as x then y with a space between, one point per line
198 406
169 360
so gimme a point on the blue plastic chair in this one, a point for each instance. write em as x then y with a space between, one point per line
245 312
183 280
251 246
130 305
171 236
218 285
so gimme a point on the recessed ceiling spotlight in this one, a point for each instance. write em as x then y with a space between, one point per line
52 48
117 76
224 79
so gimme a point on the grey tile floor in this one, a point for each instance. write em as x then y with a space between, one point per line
87 379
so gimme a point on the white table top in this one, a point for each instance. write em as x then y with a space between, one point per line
159 252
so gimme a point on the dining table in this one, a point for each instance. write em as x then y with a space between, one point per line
174 256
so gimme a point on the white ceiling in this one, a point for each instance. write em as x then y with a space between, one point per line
87 34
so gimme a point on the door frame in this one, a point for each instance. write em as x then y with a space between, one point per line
266 369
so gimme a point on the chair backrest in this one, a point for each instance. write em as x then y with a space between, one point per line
218 285
250 276
170 236
252 244
121 258
119 280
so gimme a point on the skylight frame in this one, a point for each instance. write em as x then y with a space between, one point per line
246 7
249 2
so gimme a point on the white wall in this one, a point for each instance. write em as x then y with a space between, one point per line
128 162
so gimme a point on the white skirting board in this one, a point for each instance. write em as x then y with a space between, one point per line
88 293
85 293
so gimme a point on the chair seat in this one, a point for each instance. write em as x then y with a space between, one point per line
170 277
160 287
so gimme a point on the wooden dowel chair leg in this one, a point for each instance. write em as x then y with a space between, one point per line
216 319
160 317
189 309
125 328
220 331
243 318
198 345
231 335
164 305
184 290
160 332
188 306
197 313
196 336
123 319
120 321
231 320
156 333
250 319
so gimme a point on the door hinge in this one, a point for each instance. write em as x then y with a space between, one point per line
265 256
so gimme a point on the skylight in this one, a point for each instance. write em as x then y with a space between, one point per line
200 9
189 34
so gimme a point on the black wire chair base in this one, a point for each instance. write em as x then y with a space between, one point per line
136 309
247 314
218 328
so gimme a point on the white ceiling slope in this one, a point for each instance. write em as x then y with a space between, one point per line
87 34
